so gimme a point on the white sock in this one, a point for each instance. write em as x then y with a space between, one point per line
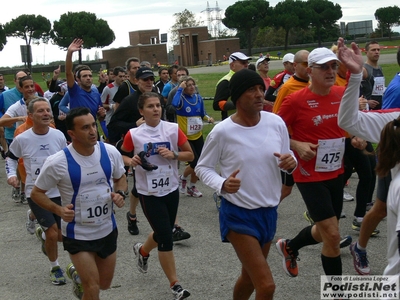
192 184
359 247
43 236
54 264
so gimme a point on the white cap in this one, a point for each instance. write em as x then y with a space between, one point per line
321 56
63 86
261 59
238 56
289 57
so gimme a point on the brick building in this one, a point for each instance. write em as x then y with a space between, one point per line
143 44
195 47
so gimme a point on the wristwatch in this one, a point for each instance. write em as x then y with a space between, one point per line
176 153
122 193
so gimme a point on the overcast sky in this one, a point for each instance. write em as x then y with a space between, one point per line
124 16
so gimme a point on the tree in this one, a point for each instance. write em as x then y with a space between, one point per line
30 28
3 38
246 15
324 15
95 32
387 18
290 14
182 20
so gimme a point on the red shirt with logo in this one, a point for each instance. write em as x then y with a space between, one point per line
313 119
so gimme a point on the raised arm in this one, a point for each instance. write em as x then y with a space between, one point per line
76 45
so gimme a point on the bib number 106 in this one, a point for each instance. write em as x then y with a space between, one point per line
97 211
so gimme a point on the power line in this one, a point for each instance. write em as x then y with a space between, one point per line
213 19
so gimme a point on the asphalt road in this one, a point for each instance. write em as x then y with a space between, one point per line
206 266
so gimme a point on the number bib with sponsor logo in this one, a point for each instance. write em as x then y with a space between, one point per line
159 181
194 125
95 207
329 155
36 166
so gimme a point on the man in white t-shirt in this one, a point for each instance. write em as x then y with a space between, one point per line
34 146
90 176
248 215
16 114
109 91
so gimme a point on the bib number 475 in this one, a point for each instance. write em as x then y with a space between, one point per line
329 158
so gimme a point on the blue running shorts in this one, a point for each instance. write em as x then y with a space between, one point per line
260 222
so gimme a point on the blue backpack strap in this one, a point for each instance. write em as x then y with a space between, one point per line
74 171
105 162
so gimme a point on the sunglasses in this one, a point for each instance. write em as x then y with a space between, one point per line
148 79
326 67
304 64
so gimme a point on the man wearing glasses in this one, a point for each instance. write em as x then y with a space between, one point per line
237 62
295 83
127 115
318 143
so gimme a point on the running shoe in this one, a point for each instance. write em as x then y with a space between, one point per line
357 227
179 292
142 261
30 224
345 241
57 276
193 192
23 198
347 197
307 216
16 195
39 232
72 274
182 185
217 200
360 260
289 257
132 225
179 234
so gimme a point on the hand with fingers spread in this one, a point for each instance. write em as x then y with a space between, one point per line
76 45
351 58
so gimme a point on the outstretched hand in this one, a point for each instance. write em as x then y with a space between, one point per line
351 58
76 45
